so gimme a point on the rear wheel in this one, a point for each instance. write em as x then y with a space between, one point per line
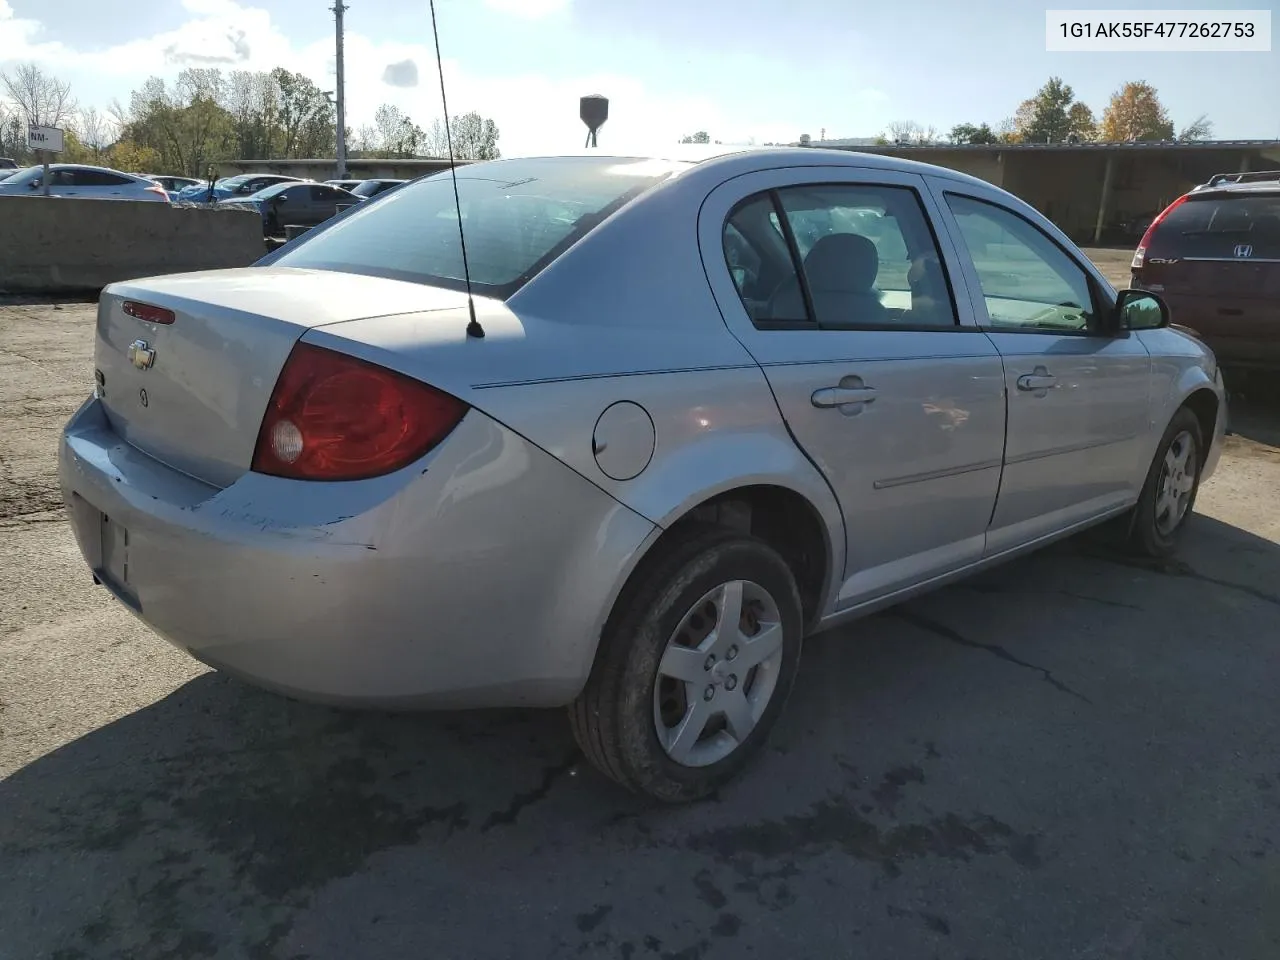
1170 490
693 668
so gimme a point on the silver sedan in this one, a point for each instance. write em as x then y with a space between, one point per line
691 414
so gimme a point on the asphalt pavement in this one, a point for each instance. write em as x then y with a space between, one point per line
1073 756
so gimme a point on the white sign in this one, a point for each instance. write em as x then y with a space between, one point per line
44 138
1157 31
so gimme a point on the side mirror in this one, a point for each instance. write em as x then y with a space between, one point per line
1139 310
33 185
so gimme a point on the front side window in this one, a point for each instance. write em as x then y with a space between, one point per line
839 257
1028 282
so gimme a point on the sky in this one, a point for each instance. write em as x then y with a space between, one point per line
743 70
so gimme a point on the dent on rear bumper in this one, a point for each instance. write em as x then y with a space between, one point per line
480 576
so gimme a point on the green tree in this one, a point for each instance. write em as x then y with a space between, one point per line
1046 117
1081 123
306 116
700 137
968 133
475 138
184 123
131 158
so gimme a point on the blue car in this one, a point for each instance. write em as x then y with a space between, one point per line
238 187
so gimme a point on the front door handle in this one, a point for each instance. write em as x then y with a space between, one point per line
1037 381
843 396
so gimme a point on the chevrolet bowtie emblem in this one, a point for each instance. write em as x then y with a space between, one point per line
141 355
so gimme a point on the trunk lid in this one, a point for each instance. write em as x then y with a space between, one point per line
198 405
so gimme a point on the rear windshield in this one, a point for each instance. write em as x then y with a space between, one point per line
517 217
1222 226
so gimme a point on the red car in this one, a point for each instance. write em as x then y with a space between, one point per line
1213 255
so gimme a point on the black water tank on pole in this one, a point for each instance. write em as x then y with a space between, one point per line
594 111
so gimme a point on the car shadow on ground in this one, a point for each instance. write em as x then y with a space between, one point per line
223 821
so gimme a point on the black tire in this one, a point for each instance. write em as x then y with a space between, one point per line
1148 536
615 718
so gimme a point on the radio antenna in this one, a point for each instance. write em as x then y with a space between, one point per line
473 327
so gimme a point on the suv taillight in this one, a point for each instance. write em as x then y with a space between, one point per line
1140 255
334 417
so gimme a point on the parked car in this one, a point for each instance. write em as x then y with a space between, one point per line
8 163
1214 256
173 185
632 472
344 184
301 204
239 187
79 180
371 188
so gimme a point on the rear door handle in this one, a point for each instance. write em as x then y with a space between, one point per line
843 396
1038 381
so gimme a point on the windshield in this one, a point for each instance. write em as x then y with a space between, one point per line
369 188
1232 226
518 216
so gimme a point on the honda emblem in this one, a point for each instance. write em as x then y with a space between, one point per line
1244 250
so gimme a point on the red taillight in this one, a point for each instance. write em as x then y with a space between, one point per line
1140 255
158 189
333 417
147 312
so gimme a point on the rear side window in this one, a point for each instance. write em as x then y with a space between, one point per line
98 178
1216 227
518 216
866 258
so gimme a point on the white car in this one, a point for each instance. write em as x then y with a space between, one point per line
78 180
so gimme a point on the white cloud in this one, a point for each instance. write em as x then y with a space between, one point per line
535 113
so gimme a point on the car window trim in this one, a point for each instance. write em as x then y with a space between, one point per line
1097 301
812 324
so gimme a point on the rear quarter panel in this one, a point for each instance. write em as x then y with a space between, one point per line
626 315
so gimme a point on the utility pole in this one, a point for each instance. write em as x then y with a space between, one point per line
339 8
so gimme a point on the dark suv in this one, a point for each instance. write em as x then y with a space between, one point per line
1214 256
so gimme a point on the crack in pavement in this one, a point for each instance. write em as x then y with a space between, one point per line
942 630
527 799
1178 568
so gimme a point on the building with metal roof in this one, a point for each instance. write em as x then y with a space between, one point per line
1090 190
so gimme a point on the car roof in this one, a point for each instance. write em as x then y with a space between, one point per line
724 161
89 166
1244 182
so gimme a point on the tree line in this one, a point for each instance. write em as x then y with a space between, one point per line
1054 115
204 117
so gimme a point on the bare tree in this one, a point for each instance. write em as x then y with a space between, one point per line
96 131
41 98
1201 128
903 131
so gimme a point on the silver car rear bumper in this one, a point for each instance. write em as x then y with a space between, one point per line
480 576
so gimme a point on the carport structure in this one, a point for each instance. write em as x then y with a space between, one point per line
1086 188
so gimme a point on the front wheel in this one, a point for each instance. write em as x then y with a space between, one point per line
693 668
1170 490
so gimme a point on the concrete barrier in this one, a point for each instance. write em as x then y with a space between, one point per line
73 245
